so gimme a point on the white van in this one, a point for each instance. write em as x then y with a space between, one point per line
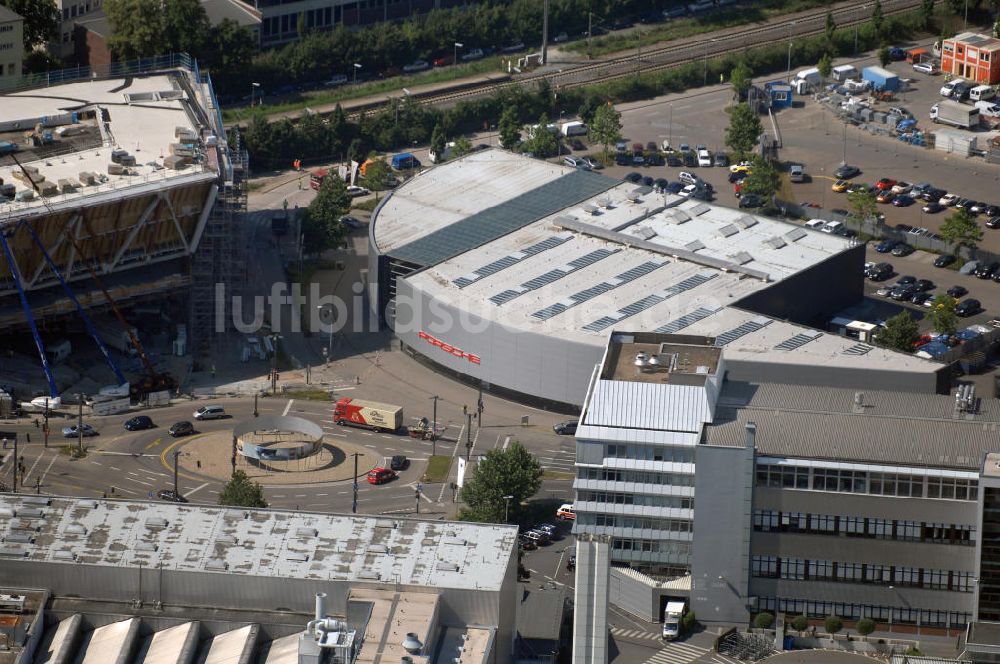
988 109
844 72
209 413
982 93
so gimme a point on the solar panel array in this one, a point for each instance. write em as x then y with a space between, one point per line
592 292
512 259
799 340
686 320
649 301
741 330
552 275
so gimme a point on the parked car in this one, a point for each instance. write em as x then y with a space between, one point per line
902 249
749 201
721 159
925 68
380 475
560 38
688 178
704 158
566 512
139 423
840 186
904 200
72 431
969 267
948 200
182 428
944 260
879 271
933 195
473 54
846 172
986 270
924 285
571 561
885 183
920 297
567 428
933 207
885 246
526 543
993 223
171 496
351 222
415 66
958 291
968 307
633 177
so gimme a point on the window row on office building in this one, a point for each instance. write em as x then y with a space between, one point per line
855 526
799 569
841 480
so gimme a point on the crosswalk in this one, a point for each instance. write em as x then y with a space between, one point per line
634 634
677 653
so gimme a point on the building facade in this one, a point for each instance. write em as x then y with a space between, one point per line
973 57
11 47
786 498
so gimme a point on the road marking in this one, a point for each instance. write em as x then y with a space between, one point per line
278 495
154 443
506 443
131 473
288 407
118 469
367 433
131 479
32 469
49 466
195 490
322 494
171 446
299 495
97 463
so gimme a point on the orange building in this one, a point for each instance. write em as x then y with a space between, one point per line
972 56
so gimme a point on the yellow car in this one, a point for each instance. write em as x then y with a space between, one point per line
740 168
840 186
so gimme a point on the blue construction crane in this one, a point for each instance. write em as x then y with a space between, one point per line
53 390
79 309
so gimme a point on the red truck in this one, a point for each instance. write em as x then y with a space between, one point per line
367 414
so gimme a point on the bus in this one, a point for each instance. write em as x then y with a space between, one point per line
317 177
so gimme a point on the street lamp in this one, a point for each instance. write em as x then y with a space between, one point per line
434 423
274 362
253 87
329 345
788 75
454 57
357 66
506 507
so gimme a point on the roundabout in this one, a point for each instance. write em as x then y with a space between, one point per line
273 450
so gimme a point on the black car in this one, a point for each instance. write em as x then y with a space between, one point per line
933 207
139 423
661 184
674 187
902 249
904 293
182 428
622 159
879 271
968 307
921 297
690 160
171 495
655 159
566 428
993 223
648 181
958 291
576 144
739 176
986 270
944 260
992 211
526 543
933 194
634 178
924 284
674 161
751 201
399 462
846 172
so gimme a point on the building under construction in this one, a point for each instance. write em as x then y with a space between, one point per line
119 194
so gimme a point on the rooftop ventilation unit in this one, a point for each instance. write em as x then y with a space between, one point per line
412 644
12 602
156 522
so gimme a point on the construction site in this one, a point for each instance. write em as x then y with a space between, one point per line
122 207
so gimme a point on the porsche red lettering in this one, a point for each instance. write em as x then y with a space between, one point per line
448 348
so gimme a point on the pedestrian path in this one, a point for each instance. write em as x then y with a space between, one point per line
677 653
635 634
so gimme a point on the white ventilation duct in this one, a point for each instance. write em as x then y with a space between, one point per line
320 606
412 644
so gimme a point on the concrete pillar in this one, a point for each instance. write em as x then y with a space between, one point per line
590 617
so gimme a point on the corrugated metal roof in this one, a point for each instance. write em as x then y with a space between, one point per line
541 611
630 404
494 222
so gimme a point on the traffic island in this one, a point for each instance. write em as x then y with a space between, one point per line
272 450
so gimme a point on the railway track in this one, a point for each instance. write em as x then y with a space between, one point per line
805 24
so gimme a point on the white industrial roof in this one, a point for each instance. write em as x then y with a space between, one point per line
228 647
143 113
105 643
626 258
358 549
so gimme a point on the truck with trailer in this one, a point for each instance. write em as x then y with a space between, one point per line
673 614
955 114
349 411
882 80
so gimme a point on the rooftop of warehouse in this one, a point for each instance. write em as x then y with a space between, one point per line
138 114
272 543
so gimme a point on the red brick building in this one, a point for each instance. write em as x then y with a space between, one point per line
973 57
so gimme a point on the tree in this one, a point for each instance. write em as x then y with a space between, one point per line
961 230
510 128
942 314
825 66
241 491
829 31
502 472
883 56
741 77
800 623
462 146
833 624
878 19
899 333
439 143
863 204
233 45
744 130
763 620
865 626
41 20
606 127
186 27
136 28
763 180
322 228
689 621
927 14
376 175
543 142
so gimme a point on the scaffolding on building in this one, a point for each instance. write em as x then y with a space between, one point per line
221 254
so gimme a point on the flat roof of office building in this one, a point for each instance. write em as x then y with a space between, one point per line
844 425
623 256
272 543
